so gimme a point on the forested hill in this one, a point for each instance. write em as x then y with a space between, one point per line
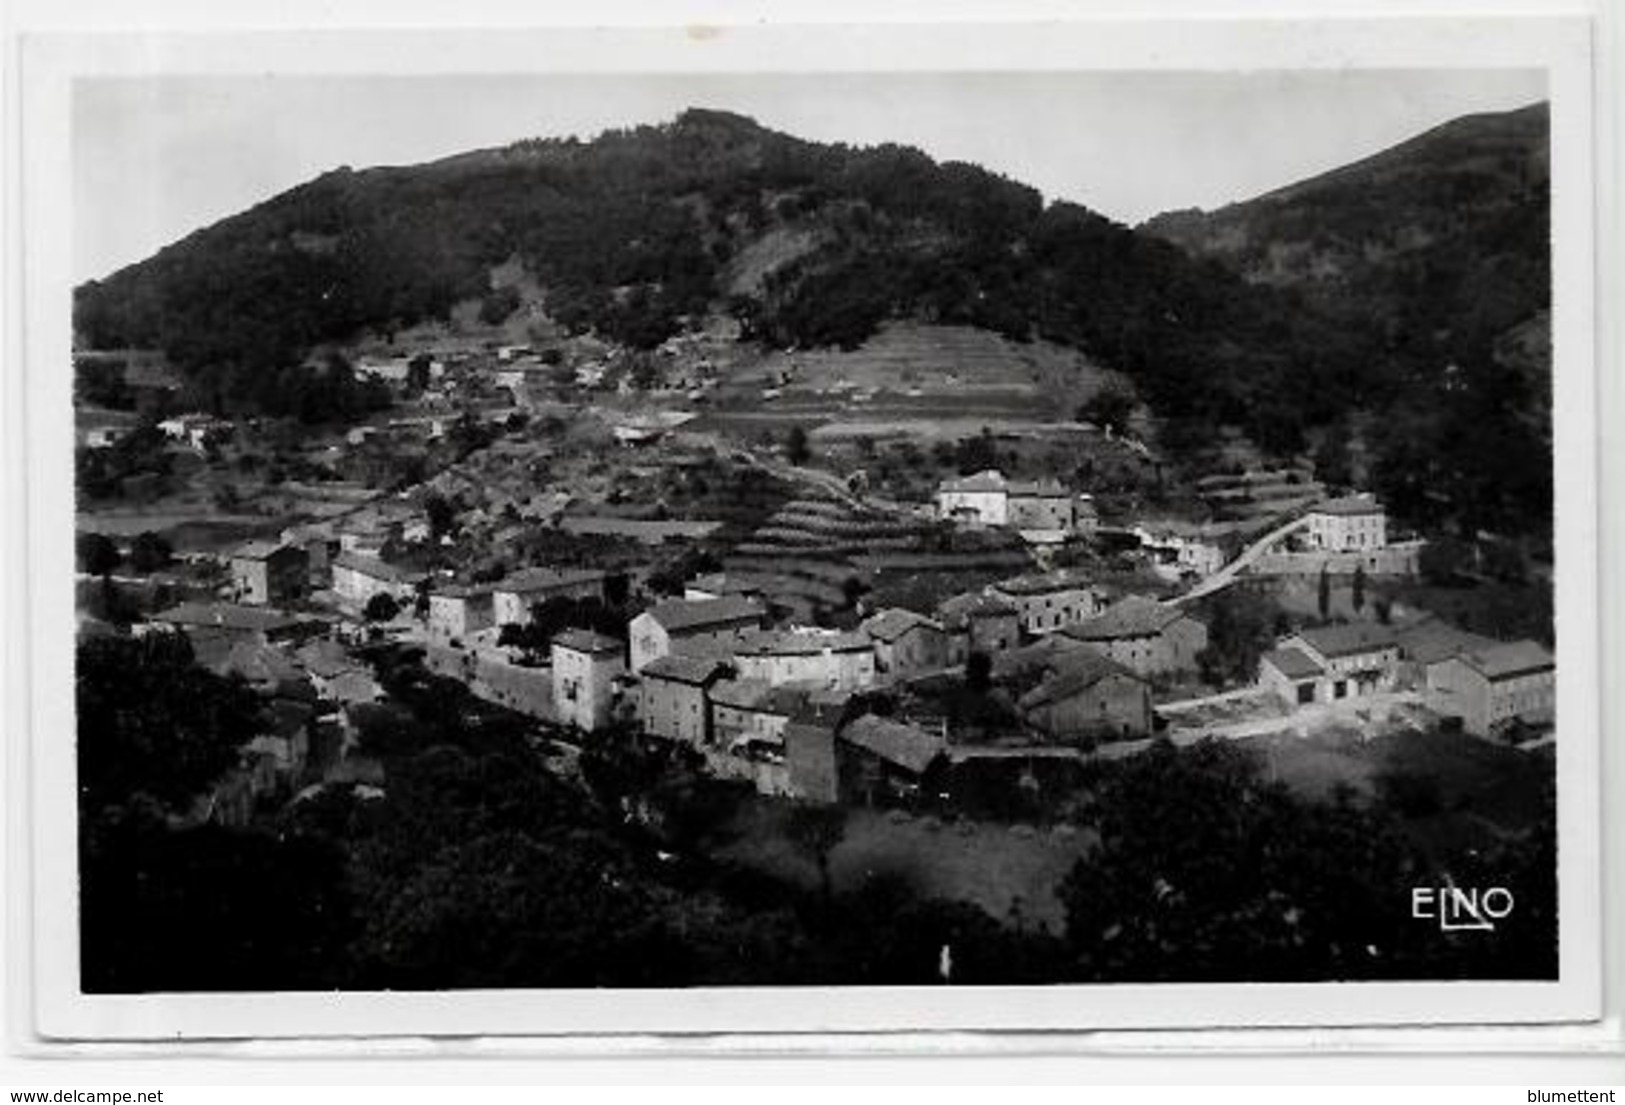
1440 249
637 232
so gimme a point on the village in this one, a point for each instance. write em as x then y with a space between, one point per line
586 537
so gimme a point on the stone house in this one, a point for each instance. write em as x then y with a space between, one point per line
808 657
457 611
585 668
979 623
1355 659
906 643
356 579
666 627
1089 697
673 697
1145 636
1492 687
269 573
515 594
1048 601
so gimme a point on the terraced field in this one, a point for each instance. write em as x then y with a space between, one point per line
908 374
813 545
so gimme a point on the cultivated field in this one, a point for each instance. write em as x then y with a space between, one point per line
1009 871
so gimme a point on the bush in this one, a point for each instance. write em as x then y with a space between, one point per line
381 608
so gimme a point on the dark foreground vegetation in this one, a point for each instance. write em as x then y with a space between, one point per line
485 861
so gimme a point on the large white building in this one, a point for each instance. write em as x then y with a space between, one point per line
1354 523
983 499
1037 507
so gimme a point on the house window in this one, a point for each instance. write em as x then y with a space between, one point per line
1340 689
1306 693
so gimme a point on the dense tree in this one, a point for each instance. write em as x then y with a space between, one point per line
1358 597
817 831
150 552
97 554
382 607
1240 626
154 724
796 449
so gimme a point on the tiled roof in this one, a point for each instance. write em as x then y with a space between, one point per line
546 579
1293 663
1349 640
1042 583
461 591
1348 505
1047 489
1504 661
889 625
986 480
225 615
804 642
957 611
694 670
743 694
257 550
586 640
909 748
374 568
1434 641
1130 616
1075 672
681 614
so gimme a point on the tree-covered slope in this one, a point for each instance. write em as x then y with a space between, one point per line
1439 250
637 231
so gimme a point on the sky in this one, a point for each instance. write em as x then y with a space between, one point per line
155 158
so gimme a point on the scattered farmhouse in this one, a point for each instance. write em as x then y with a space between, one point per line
585 667
1145 636
269 573
988 499
906 643
666 627
1492 687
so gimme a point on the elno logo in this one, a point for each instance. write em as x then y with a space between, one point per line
1461 910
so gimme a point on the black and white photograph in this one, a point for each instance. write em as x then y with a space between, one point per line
1062 532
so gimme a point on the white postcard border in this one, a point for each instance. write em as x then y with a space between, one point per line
1561 45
